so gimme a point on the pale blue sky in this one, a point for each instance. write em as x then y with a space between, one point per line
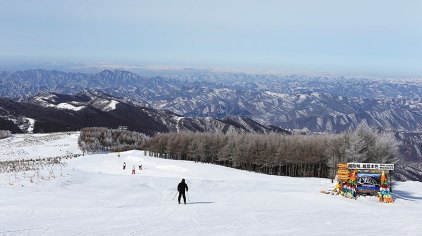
358 37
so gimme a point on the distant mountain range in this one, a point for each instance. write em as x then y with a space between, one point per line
331 104
49 112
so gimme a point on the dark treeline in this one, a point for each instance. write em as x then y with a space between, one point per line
100 139
290 155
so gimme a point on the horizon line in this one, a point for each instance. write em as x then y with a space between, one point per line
96 67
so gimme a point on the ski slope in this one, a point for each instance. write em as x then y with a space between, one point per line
93 195
33 146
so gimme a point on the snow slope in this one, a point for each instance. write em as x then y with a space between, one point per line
68 106
33 146
93 195
111 106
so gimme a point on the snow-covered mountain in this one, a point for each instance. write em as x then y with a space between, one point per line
317 104
49 112
317 112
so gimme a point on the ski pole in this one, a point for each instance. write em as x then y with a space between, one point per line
174 196
187 193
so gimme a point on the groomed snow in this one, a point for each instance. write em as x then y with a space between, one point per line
93 195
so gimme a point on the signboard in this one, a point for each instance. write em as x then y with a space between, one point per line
368 182
342 166
342 172
370 166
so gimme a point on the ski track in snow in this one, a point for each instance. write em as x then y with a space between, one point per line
93 195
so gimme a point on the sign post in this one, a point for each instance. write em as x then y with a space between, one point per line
369 176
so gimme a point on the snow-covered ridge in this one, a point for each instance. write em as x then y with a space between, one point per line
68 106
77 111
280 95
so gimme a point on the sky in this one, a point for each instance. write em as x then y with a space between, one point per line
352 37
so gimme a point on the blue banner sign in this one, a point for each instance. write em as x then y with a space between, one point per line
368 182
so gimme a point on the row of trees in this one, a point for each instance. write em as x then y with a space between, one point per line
295 155
292 155
100 139
5 134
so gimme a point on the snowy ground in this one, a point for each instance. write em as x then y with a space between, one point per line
92 195
33 146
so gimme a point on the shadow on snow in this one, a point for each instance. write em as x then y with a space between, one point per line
405 195
199 202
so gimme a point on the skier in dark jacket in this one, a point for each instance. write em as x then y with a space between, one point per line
181 188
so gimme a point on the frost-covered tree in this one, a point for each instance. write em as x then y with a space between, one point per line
99 139
294 155
5 134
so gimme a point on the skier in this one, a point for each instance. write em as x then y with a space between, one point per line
181 188
118 155
124 165
140 167
133 170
